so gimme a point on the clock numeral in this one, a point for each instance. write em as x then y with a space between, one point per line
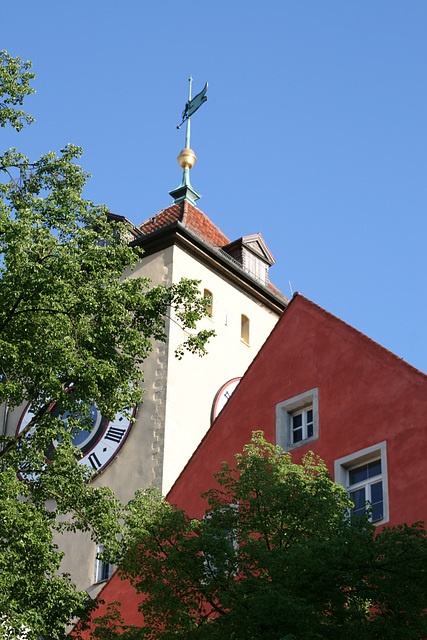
115 434
227 394
94 461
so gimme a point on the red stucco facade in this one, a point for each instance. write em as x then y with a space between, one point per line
366 395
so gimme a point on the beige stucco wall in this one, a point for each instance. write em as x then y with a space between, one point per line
139 463
193 382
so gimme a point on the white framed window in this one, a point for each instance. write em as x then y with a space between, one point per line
297 420
302 425
103 570
364 476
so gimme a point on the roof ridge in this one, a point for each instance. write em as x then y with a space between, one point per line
366 338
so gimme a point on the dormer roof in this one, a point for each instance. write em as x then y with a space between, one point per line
132 231
254 243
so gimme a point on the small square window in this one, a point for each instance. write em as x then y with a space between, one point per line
297 420
302 425
364 475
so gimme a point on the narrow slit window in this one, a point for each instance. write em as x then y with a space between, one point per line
209 303
244 334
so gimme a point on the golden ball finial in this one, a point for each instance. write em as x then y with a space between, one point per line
187 158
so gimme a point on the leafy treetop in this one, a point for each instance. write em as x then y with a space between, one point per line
276 557
15 77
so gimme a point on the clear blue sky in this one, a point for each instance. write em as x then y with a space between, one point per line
314 133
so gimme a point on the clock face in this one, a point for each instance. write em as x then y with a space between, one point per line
222 396
99 445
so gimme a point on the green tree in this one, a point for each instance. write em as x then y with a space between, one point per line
15 78
276 557
73 332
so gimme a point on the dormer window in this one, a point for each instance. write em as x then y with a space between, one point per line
254 265
253 255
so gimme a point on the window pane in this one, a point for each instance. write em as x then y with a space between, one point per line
297 435
359 499
376 492
377 501
297 421
374 468
297 428
358 474
309 415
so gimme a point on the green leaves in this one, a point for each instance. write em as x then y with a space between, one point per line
15 77
276 556
68 319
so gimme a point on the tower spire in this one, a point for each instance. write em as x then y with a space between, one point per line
187 158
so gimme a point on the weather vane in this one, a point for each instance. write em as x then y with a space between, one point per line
193 104
187 157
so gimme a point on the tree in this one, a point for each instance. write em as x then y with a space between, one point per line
72 332
276 557
15 78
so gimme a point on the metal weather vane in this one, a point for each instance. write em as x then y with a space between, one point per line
187 157
193 104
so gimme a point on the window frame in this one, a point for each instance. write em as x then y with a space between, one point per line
245 329
102 570
255 266
285 412
209 308
343 466
212 572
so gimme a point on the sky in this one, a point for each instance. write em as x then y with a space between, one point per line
314 133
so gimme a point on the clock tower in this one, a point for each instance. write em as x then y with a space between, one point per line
182 396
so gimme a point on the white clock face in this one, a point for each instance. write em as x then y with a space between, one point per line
100 444
222 396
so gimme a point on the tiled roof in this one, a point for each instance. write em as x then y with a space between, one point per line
189 216
198 223
277 292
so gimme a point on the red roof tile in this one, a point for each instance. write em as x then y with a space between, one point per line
195 220
189 216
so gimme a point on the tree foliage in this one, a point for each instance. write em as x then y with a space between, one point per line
276 557
73 332
15 78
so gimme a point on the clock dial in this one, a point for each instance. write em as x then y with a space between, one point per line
222 396
99 445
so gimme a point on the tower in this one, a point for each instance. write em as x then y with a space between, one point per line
181 395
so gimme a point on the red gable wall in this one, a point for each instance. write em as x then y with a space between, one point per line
366 395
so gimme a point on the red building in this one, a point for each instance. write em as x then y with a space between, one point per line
318 384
